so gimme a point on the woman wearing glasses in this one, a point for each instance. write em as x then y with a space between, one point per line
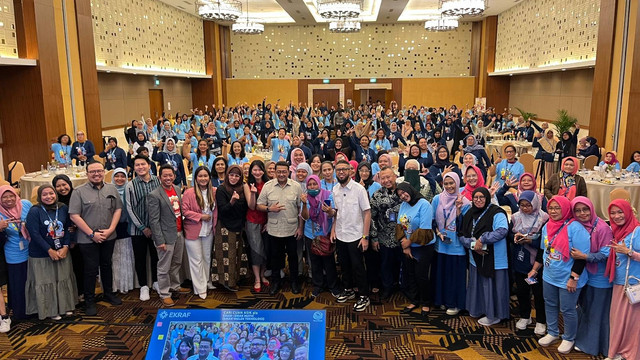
562 276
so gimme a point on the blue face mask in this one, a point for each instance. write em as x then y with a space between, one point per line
313 193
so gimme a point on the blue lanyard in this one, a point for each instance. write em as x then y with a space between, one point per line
54 223
446 216
475 222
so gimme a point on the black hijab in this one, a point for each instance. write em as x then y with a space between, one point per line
441 164
483 219
53 206
62 198
369 181
413 193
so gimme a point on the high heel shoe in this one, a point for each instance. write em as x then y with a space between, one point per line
257 287
266 283
407 310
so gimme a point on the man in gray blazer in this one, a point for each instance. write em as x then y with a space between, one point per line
165 221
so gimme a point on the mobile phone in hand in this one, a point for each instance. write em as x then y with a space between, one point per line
531 280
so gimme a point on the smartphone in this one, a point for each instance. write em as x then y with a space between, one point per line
327 202
531 280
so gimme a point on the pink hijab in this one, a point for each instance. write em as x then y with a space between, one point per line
16 211
468 189
558 228
601 234
294 165
620 232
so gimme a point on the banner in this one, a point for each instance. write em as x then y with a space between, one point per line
238 334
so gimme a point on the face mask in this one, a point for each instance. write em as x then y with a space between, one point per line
313 192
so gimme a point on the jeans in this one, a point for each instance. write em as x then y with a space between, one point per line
97 255
555 299
390 260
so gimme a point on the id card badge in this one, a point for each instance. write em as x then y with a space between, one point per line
393 216
547 262
21 245
521 255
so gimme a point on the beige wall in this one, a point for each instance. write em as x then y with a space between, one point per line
438 92
397 50
546 93
8 44
253 91
538 33
124 97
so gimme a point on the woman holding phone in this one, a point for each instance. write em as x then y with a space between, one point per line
256 225
525 234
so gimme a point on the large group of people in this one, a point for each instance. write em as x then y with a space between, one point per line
338 205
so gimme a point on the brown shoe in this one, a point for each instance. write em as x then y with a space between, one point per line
167 302
182 290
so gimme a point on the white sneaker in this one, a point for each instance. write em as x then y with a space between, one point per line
577 349
617 357
203 296
144 293
453 311
565 347
547 340
523 323
155 287
5 325
485 321
210 286
57 317
540 329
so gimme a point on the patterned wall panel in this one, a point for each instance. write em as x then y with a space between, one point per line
539 33
8 44
379 50
147 34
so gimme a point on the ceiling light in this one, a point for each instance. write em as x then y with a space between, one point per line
248 26
339 9
219 10
462 7
345 26
441 23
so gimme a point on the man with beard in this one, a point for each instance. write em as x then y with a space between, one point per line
204 350
384 211
258 344
351 231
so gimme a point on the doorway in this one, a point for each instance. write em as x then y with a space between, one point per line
330 97
375 95
156 103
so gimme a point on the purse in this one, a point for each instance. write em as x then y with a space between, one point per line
632 291
322 246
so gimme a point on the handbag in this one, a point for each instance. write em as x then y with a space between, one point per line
632 291
322 246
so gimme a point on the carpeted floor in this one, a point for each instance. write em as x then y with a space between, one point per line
380 332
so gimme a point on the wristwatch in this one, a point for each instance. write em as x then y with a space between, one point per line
92 234
365 237
576 278
630 253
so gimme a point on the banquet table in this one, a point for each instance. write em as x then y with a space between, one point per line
29 181
493 135
522 147
598 192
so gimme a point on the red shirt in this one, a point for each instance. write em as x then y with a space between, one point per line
175 202
255 216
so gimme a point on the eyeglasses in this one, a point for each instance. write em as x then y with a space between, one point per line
526 205
478 198
343 169
554 208
583 210
95 172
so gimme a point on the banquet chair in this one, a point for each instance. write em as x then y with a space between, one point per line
527 161
98 159
620 194
456 159
4 182
108 176
491 175
16 171
589 162
185 163
34 195
256 157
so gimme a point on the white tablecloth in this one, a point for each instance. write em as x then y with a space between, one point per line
30 181
522 147
599 195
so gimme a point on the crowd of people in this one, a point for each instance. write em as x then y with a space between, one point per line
332 197
237 341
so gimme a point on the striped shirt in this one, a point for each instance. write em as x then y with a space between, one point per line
137 191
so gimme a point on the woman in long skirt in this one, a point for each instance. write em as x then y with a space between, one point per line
123 263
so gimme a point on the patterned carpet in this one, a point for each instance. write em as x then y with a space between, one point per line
380 332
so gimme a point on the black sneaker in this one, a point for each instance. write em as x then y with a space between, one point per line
316 291
112 299
361 304
91 309
347 294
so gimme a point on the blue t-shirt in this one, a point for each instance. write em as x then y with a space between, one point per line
198 161
617 166
455 247
633 167
557 272
280 148
500 258
62 153
16 249
378 145
598 280
621 260
310 230
328 186
235 134
373 188
220 129
236 161
418 216
505 170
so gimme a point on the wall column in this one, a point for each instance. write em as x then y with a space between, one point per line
210 90
494 88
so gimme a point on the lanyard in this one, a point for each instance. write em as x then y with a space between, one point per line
550 243
475 222
446 216
52 222
534 224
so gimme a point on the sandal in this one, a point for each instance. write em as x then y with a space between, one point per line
266 282
257 287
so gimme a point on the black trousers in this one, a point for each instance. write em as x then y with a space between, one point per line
354 273
321 265
78 267
140 244
373 261
417 271
97 255
390 260
523 292
281 247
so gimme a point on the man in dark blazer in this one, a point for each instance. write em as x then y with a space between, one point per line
165 221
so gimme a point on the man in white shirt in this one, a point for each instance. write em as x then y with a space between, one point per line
351 232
